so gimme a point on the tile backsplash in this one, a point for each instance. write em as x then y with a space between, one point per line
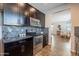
14 31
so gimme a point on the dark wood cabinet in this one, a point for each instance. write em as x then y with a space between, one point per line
12 49
45 40
28 47
15 50
19 48
16 14
20 14
24 10
26 13
34 13
11 14
41 17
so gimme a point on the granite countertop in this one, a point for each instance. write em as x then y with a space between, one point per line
37 35
13 39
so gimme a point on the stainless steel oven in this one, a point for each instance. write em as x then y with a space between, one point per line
37 44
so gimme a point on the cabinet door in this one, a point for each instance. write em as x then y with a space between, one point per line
28 47
12 49
27 15
45 40
16 14
15 51
11 14
41 17
38 14
32 12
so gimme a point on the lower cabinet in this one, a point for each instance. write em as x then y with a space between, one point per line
27 48
14 51
19 48
22 47
45 40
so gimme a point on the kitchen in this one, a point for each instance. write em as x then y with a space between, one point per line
39 29
23 30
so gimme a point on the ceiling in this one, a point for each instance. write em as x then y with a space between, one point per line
45 7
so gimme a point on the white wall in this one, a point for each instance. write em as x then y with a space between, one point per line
48 22
74 9
61 16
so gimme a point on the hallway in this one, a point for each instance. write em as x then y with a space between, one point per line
59 47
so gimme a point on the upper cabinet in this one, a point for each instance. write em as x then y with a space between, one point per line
33 12
14 14
41 17
20 14
11 14
26 12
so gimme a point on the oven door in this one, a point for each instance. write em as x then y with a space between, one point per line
37 44
38 40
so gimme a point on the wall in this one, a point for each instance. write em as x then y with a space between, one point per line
75 14
48 22
74 9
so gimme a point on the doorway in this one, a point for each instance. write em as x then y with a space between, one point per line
61 33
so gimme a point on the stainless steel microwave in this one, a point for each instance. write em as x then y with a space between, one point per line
35 22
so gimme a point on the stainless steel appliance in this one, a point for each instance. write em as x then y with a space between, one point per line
34 22
37 44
